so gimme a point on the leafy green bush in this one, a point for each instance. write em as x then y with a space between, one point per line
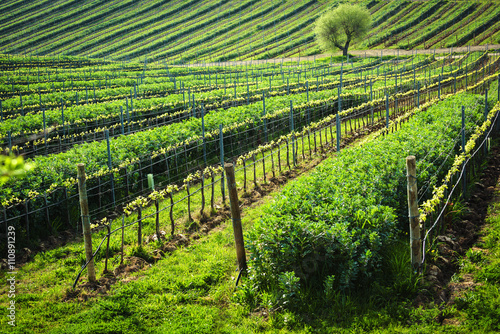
330 228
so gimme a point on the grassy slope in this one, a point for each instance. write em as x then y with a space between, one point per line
159 29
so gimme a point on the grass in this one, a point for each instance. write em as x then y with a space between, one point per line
479 308
186 291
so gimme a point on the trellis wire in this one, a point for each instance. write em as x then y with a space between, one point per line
458 182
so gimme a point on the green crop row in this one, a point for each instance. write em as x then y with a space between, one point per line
128 148
173 15
82 28
438 26
329 229
73 113
217 48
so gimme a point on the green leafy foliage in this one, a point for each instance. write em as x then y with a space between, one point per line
11 166
333 225
337 28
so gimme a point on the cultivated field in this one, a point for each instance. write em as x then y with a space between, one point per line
156 98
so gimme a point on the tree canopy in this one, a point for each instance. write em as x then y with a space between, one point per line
337 28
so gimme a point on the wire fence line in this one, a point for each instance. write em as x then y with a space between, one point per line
63 137
466 166
272 153
65 133
51 211
275 158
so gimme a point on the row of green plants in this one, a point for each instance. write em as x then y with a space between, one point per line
112 87
173 16
439 191
209 30
481 24
392 13
440 38
408 22
169 104
37 14
54 169
286 34
36 201
438 15
132 21
16 62
232 33
159 104
51 201
302 117
41 30
217 49
145 118
328 231
155 110
83 28
458 26
69 168
82 128
126 46
114 74
19 8
437 26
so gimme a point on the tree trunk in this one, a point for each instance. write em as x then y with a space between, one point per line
346 47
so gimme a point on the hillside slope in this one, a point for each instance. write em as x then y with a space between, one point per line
209 30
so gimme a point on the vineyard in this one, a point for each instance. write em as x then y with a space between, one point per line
154 139
175 122
141 134
212 31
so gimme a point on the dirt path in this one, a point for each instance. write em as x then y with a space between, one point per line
362 53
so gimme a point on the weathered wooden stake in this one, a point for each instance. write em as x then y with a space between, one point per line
172 223
212 197
123 236
107 248
84 207
139 225
202 190
254 171
190 219
236 216
464 176
413 214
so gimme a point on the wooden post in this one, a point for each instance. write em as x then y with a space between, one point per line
486 116
108 226
464 175
236 217
151 184
84 207
172 222
413 215
190 219
221 144
139 225
123 236
386 111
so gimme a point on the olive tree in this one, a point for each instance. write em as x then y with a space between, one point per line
337 28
